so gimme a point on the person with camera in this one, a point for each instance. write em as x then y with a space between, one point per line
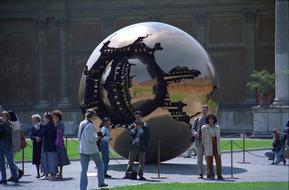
6 148
87 149
104 144
197 133
138 141
278 144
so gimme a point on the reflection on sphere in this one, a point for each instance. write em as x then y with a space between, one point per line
155 68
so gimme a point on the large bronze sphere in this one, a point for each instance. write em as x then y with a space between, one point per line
156 68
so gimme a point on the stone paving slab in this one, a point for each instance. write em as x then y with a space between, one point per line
183 170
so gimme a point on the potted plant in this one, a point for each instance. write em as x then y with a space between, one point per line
264 84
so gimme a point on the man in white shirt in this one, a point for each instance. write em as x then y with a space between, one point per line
197 133
88 149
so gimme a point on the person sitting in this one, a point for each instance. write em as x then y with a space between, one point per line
276 154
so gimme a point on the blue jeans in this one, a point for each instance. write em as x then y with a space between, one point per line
104 148
9 156
276 156
84 161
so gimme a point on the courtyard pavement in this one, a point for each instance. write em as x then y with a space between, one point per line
183 170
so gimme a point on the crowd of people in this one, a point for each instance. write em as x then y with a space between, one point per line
205 132
48 155
94 144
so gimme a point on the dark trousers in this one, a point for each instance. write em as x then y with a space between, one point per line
133 154
217 159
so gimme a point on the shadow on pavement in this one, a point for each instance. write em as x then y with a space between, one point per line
181 169
21 181
65 179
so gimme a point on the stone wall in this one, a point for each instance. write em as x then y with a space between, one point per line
44 46
236 120
265 119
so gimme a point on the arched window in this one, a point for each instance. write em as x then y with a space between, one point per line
17 71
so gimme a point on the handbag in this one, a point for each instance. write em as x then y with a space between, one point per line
59 142
23 143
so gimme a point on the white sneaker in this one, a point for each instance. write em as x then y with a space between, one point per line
44 178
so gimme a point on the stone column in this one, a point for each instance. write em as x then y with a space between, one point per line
62 26
265 119
41 49
200 23
108 24
281 54
250 39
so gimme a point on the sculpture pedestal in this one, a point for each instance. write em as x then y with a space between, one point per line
265 119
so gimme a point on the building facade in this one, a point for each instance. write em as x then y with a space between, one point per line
44 46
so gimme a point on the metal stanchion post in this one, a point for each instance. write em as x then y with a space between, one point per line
159 161
244 149
231 159
23 160
232 177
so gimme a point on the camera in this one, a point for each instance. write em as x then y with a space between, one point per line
99 134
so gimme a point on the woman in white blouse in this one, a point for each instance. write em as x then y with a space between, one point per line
211 140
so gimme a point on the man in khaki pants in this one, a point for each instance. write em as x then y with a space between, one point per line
197 133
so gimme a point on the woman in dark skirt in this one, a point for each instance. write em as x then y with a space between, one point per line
63 159
35 136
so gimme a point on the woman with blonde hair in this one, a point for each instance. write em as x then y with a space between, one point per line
35 136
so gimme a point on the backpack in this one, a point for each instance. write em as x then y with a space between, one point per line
59 142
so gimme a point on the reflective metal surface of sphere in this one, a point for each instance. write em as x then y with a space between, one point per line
158 69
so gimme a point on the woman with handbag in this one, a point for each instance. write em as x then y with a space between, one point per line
63 159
